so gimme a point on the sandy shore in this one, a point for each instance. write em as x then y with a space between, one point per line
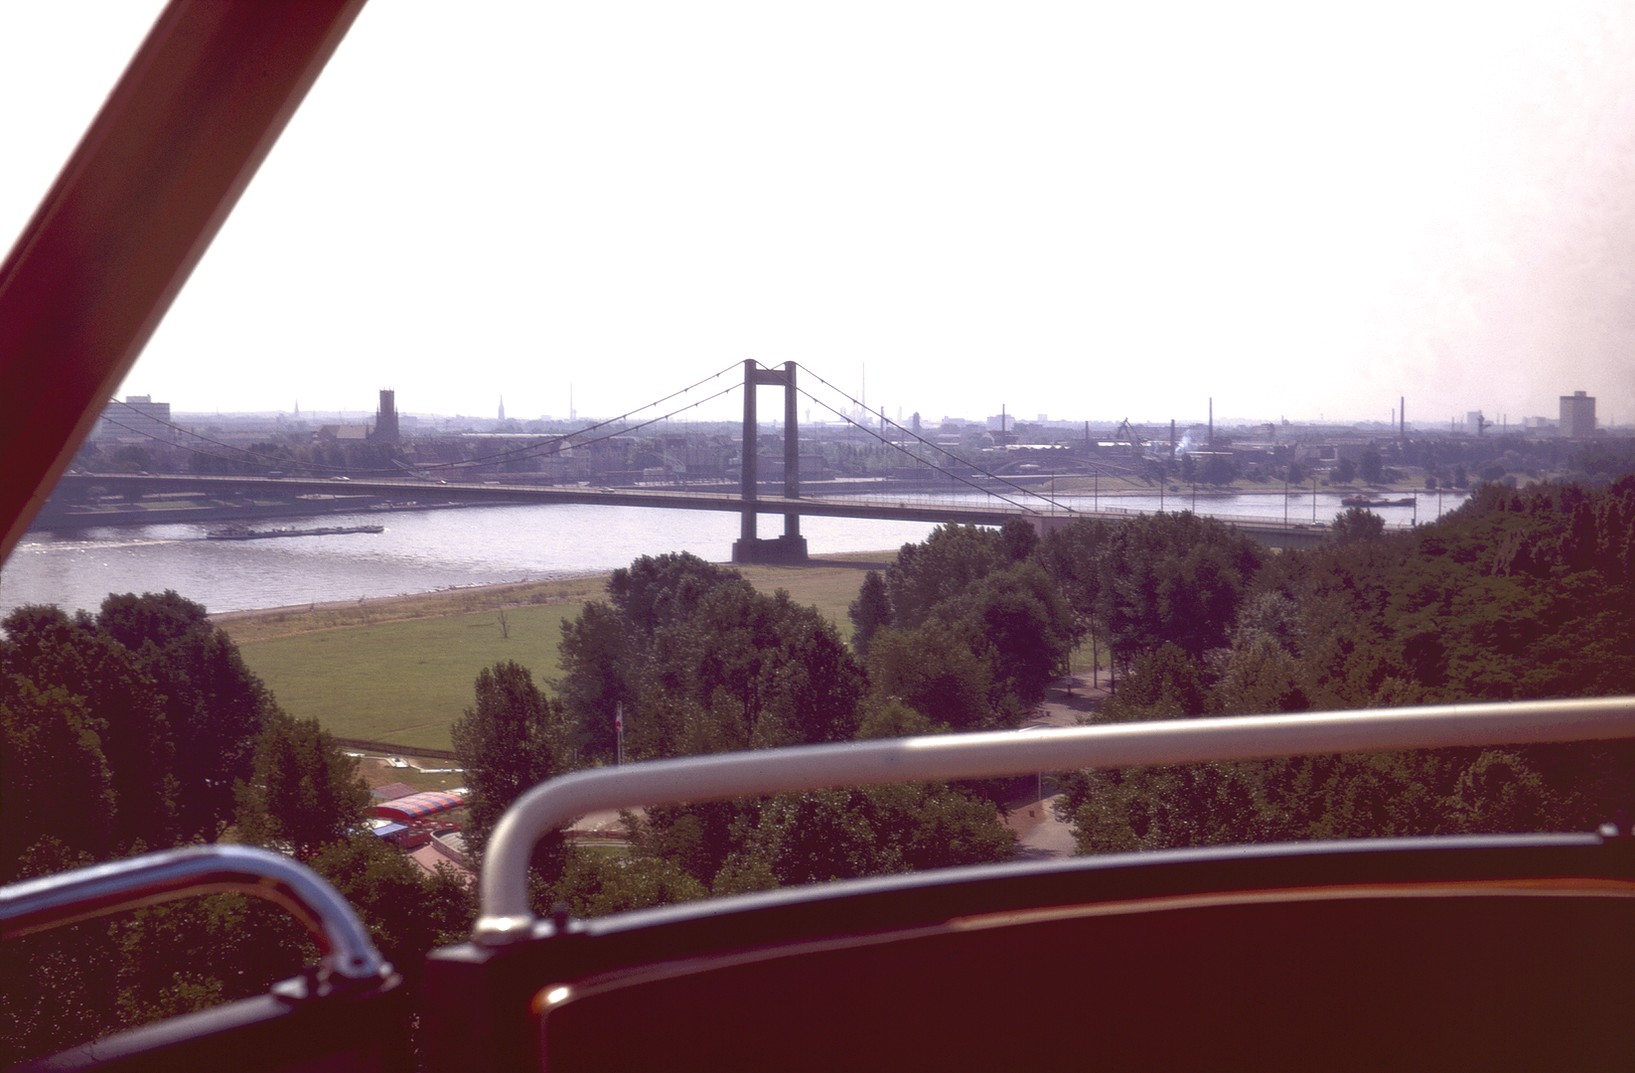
263 623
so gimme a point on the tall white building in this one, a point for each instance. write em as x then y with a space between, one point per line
1577 415
137 418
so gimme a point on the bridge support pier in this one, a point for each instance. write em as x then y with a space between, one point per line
791 547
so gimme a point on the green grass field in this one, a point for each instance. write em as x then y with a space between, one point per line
402 682
402 671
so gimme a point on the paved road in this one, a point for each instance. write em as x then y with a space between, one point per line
1039 834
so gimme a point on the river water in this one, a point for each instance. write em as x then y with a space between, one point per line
424 551
420 551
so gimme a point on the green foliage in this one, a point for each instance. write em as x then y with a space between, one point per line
950 559
657 591
305 792
1162 684
129 732
596 884
1017 618
1520 593
932 670
824 835
408 911
71 985
213 705
986 621
122 732
598 657
1357 525
891 718
58 791
870 612
510 740
1170 578
703 663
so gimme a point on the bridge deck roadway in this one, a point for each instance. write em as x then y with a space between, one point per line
1267 531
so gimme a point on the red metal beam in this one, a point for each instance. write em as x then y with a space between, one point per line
134 209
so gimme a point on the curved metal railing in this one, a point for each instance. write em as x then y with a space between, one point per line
505 915
103 889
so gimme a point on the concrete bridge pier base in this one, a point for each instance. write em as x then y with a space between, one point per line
784 550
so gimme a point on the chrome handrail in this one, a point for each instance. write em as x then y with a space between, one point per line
88 893
505 915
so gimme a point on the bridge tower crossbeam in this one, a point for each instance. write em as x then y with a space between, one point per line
791 546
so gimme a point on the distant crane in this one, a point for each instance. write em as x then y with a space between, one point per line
1126 434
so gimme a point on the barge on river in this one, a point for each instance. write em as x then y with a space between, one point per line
241 532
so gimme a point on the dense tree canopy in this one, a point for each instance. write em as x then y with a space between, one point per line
511 739
1518 594
140 729
125 731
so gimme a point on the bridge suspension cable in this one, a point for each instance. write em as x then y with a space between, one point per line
556 441
1027 492
552 443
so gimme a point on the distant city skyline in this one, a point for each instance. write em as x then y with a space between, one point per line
1301 213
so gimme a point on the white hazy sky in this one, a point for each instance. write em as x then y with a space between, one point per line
1082 210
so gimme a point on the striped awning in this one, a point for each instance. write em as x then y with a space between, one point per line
418 806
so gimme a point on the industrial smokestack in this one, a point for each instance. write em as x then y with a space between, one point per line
1402 417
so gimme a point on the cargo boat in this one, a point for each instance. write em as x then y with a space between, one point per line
239 532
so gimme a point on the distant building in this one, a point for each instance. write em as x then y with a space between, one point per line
332 433
137 418
1577 415
386 430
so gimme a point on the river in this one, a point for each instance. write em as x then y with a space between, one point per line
420 551
425 551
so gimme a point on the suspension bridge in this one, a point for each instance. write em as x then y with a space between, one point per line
317 487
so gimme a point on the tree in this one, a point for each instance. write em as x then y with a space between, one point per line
932 670
702 662
1345 471
215 707
940 568
596 884
823 835
1357 525
870 612
1017 614
73 658
659 590
305 792
408 911
602 664
1162 684
58 791
1018 539
509 741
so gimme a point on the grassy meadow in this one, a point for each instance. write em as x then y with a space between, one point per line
401 669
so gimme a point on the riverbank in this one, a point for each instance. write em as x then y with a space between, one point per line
829 583
400 668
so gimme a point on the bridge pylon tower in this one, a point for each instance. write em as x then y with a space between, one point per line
791 546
